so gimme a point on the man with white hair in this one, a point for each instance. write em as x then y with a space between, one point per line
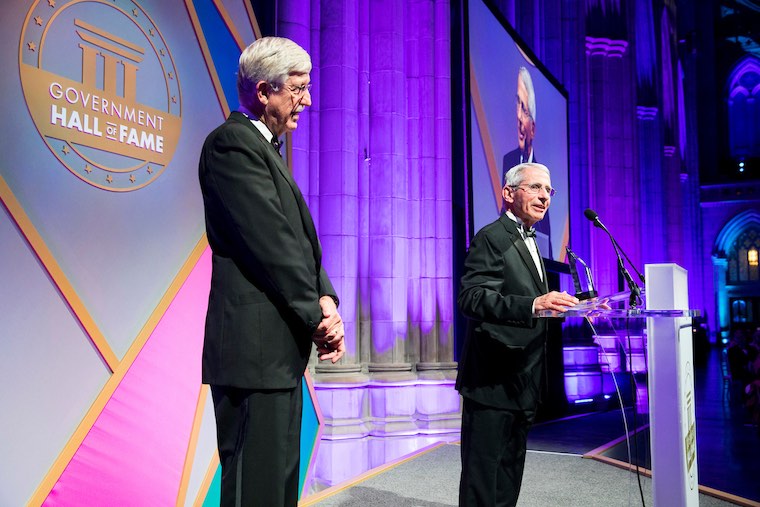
500 371
270 297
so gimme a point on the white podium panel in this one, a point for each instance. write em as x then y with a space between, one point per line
671 390
672 416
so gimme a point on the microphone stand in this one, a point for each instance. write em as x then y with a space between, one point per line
635 291
635 297
614 242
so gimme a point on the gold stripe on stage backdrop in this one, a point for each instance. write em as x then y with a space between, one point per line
207 58
189 4
192 445
63 459
207 479
485 135
230 24
314 447
60 280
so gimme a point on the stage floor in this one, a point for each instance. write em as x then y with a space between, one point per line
581 460
431 479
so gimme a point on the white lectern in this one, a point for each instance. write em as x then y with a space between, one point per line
672 419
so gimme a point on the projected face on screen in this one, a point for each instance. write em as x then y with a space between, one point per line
526 113
507 85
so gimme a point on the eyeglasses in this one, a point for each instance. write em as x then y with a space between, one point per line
535 188
299 90
296 91
522 108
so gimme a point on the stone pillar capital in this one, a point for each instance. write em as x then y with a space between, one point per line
602 46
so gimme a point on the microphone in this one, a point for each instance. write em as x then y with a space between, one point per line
632 286
593 216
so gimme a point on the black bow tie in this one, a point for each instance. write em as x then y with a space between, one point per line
276 143
529 233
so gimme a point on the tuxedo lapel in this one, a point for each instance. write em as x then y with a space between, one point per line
545 283
279 163
308 222
525 255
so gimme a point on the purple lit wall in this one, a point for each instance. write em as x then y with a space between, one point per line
375 163
638 177
373 157
614 179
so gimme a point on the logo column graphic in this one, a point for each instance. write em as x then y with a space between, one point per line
116 123
90 54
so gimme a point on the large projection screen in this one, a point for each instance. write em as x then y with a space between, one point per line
496 55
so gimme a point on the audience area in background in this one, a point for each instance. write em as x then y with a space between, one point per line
743 357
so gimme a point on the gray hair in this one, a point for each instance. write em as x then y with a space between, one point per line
514 176
270 59
524 76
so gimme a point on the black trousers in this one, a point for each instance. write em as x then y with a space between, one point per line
258 436
493 454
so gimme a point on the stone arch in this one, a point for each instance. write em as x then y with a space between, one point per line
728 234
724 241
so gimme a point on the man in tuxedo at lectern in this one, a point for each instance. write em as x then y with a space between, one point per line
270 298
500 372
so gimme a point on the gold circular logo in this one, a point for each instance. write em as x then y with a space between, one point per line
102 89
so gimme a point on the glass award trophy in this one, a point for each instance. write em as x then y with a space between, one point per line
582 281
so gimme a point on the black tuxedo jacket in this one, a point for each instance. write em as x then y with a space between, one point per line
502 358
267 275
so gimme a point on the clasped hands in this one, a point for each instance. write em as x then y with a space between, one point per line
330 332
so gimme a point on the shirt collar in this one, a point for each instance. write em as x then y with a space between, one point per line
520 225
260 125
514 218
